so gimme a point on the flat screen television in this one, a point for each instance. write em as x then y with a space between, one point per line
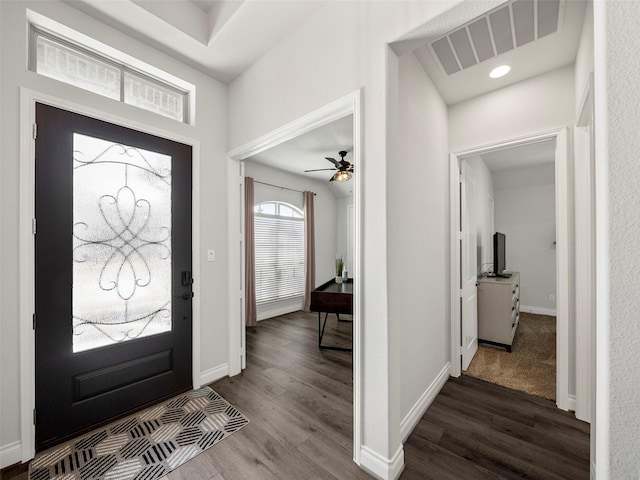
499 262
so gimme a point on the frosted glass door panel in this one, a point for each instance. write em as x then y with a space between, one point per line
121 243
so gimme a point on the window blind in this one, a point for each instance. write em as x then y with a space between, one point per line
279 257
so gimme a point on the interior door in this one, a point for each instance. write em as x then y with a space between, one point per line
469 266
112 272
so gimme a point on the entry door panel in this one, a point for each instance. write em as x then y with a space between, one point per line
113 281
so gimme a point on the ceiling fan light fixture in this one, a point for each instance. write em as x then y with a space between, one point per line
342 176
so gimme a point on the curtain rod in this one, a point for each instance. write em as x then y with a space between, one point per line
280 187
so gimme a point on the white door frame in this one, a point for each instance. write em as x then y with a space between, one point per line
584 168
564 277
26 260
348 105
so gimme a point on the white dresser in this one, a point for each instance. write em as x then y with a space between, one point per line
498 309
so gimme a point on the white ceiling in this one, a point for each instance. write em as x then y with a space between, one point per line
211 35
522 156
307 152
534 58
219 37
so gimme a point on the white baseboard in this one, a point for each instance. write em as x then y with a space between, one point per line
571 403
538 310
10 454
213 374
412 418
380 467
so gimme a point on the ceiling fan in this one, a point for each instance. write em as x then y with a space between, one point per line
344 169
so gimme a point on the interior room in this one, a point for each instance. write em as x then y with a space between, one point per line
282 173
514 194
155 112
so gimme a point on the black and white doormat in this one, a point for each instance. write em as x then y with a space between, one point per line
146 445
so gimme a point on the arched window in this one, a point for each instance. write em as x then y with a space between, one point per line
279 251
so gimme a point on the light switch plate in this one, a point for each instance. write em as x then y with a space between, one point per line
211 255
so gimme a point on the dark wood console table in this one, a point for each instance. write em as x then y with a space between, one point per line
332 297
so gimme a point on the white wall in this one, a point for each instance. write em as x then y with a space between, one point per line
584 58
210 130
534 105
484 212
525 213
344 223
325 222
310 69
417 202
617 76
523 200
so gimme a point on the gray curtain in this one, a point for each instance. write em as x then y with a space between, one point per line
249 256
309 250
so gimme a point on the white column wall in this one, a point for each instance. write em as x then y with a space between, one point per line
617 120
307 70
418 243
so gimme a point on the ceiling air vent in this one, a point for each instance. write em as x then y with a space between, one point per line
503 29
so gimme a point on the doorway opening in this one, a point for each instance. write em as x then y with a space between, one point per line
549 234
244 161
508 261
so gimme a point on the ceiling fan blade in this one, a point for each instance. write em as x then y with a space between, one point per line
331 179
319 170
334 161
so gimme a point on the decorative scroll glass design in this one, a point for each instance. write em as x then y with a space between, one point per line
121 243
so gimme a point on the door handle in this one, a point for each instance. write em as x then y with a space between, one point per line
187 279
186 296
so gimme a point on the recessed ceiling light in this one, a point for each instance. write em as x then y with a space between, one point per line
500 71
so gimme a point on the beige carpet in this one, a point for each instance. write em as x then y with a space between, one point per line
531 365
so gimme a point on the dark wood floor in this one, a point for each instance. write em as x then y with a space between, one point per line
299 402
476 430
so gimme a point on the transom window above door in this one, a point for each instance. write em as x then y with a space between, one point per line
71 62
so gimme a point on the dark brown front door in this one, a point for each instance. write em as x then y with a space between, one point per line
112 272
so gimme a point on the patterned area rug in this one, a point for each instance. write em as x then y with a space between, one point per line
531 365
146 445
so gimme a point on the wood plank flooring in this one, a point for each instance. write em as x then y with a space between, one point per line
476 430
299 402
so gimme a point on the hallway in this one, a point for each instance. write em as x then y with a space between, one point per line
299 402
